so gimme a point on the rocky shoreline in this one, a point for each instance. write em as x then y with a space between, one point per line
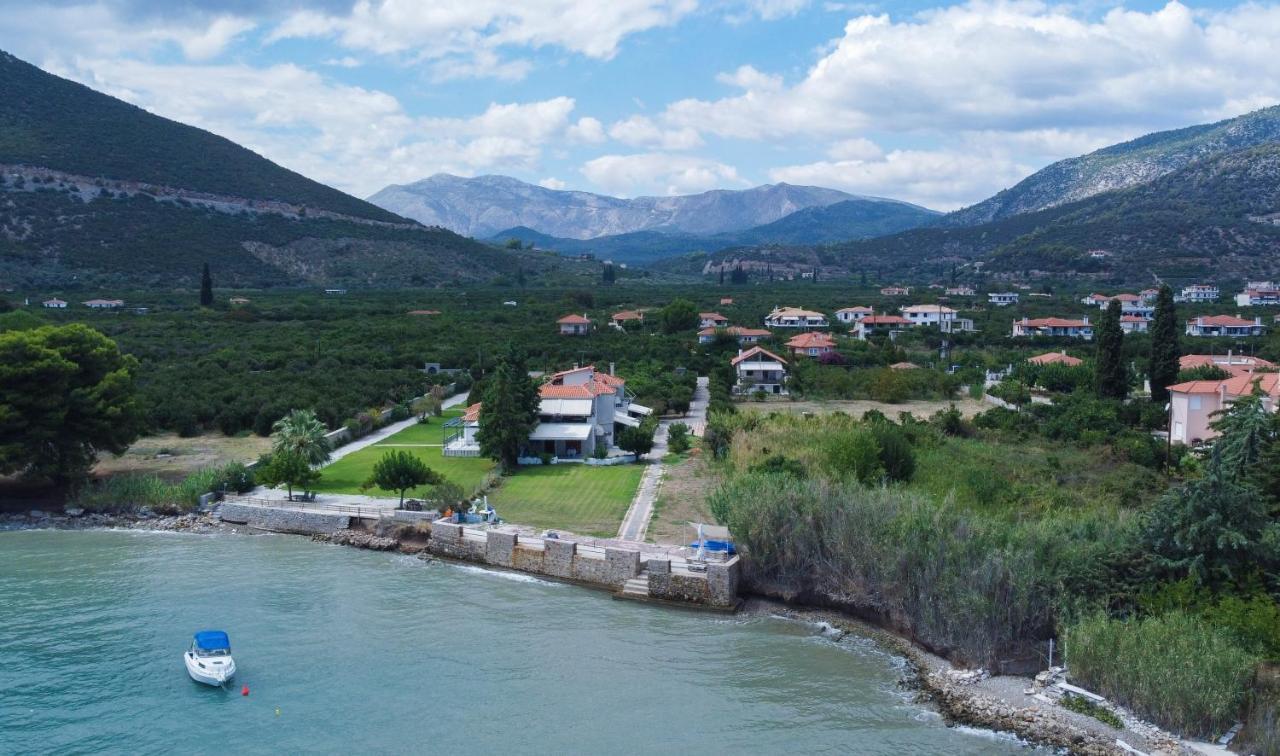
1007 704
78 519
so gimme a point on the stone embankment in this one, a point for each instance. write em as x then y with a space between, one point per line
360 539
78 519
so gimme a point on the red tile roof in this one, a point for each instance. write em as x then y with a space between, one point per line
472 415
1055 358
567 319
810 341
1236 364
755 351
1220 320
712 316
628 315
1236 385
1052 323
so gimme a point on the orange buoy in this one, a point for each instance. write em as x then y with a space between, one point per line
244 691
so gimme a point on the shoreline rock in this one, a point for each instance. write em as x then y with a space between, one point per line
77 519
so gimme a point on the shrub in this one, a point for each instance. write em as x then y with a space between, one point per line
678 438
1176 669
234 477
896 456
854 454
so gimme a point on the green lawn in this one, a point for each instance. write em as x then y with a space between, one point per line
581 498
423 433
346 475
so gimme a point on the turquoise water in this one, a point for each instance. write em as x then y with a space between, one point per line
348 651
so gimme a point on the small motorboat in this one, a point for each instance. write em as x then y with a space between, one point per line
209 658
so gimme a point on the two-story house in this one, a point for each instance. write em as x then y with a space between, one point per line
1197 293
759 370
1231 326
929 314
1002 298
712 320
873 323
854 314
1053 327
811 344
1193 405
743 335
1259 294
794 317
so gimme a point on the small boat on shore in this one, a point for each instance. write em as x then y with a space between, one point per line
209 658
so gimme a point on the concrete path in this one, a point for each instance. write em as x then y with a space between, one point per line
387 431
636 522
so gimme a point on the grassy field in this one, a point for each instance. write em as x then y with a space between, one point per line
682 498
583 499
172 457
346 475
921 409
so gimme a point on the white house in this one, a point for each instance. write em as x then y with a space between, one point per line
1134 323
759 370
1053 327
712 320
574 325
794 317
928 314
895 291
854 314
104 304
960 291
1197 293
1224 325
1002 298
55 304
1259 294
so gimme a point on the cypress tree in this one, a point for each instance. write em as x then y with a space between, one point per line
206 287
509 412
1165 349
1112 379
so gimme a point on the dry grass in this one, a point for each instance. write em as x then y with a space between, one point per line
682 499
186 454
857 407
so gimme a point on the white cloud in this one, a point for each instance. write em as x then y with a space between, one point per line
765 10
552 182
462 36
858 148
641 131
95 28
587 130
658 173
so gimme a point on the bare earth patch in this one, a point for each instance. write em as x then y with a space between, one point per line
682 499
172 457
858 407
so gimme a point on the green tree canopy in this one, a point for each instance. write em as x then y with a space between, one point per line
638 441
1165 349
289 468
301 432
1112 376
509 412
679 315
66 394
399 471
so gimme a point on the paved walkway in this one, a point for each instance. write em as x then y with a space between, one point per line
387 431
636 522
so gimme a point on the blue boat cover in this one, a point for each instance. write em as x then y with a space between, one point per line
212 640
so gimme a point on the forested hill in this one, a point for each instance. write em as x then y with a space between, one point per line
95 192
1123 165
50 122
1221 215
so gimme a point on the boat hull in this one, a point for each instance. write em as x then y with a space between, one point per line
211 674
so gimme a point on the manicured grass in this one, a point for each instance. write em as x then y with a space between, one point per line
346 475
580 498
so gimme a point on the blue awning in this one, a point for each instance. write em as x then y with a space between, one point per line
212 640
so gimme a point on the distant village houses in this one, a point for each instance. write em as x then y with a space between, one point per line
895 291
104 304
1197 294
960 291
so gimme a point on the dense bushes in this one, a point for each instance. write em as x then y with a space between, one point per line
135 491
1175 668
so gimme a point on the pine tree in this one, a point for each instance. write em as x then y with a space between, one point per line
206 287
1112 377
509 412
1165 349
722 276
608 275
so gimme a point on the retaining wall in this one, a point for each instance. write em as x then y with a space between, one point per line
283 520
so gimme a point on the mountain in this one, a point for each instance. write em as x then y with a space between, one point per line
842 221
483 206
1218 217
94 191
1123 165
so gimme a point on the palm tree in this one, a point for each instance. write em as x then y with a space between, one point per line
301 432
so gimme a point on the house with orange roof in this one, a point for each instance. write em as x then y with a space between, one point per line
873 323
574 325
759 371
1259 294
712 320
625 318
1236 364
1053 327
812 344
1194 405
1134 323
1231 326
579 410
743 335
1055 358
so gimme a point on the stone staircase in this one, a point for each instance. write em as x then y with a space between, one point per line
637 587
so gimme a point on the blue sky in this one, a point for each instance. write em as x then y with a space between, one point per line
939 104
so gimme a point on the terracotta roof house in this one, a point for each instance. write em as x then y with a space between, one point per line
1236 364
743 335
1224 325
712 320
54 304
1055 327
621 319
759 371
872 323
904 366
1055 358
1192 405
574 325
1134 323
726 300
794 317
853 314
811 344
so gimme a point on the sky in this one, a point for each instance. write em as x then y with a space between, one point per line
937 104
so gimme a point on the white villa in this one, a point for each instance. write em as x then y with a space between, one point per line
928 314
1130 304
1196 293
960 291
1259 294
759 370
579 410
1134 323
1002 298
895 291
55 304
854 314
1054 327
794 317
574 325
1224 325
712 320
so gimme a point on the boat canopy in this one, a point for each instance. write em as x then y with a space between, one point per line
212 640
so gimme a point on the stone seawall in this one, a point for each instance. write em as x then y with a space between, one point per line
283 520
